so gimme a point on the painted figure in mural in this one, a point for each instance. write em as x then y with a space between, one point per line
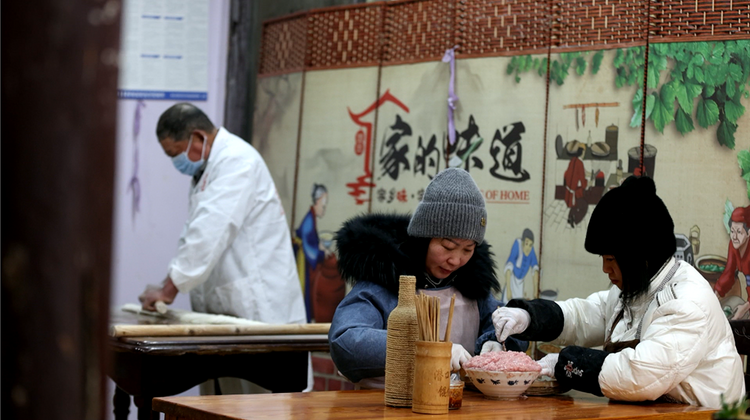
738 259
665 335
575 184
234 254
308 247
522 258
442 245
311 251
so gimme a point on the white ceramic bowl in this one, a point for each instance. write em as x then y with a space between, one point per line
501 385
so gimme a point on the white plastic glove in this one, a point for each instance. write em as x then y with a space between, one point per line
459 356
509 321
548 363
490 346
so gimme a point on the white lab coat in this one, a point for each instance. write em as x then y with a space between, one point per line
235 253
686 348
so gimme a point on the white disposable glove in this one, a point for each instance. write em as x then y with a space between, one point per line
490 346
509 321
548 363
459 356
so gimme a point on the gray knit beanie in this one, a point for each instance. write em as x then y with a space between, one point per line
452 207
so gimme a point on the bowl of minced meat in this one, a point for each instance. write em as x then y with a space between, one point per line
502 375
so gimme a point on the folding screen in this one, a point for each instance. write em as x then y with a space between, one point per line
548 106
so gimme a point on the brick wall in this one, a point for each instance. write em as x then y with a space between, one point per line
325 374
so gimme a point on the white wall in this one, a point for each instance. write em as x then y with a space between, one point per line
143 245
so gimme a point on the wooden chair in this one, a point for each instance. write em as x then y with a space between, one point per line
741 331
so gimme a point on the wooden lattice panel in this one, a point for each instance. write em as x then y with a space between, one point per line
599 22
682 19
498 26
341 37
418 30
283 48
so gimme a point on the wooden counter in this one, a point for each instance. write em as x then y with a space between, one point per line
147 367
341 405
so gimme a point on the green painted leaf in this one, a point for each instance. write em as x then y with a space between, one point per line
707 113
743 159
632 78
580 66
596 62
668 93
693 89
708 91
683 121
653 77
661 49
635 120
518 79
682 97
699 77
690 71
659 61
733 111
662 114
702 48
731 88
735 72
619 58
511 66
718 50
650 102
697 60
725 134
731 46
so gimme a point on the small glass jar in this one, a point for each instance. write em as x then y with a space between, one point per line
456 395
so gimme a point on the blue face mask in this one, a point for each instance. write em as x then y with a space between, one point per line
184 164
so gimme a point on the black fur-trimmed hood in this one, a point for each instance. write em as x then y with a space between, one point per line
376 248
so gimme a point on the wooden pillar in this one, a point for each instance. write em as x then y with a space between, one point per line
59 84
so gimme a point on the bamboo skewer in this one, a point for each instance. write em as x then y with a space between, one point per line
450 319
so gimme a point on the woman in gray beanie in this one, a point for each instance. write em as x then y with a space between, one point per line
442 245
663 332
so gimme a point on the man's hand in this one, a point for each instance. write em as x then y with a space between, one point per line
490 346
164 293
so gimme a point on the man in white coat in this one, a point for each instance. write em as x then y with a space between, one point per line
664 334
234 255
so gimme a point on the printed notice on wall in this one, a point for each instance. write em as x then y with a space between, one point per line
164 51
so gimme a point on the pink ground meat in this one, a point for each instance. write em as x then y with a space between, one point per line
504 361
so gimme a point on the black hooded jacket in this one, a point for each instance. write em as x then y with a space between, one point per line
374 250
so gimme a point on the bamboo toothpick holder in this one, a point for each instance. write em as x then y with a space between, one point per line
432 371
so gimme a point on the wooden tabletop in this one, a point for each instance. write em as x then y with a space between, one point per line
369 405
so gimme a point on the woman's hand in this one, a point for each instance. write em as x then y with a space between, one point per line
509 321
459 356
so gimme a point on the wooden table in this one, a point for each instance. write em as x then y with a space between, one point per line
148 367
369 405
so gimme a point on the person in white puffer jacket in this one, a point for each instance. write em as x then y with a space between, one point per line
663 332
